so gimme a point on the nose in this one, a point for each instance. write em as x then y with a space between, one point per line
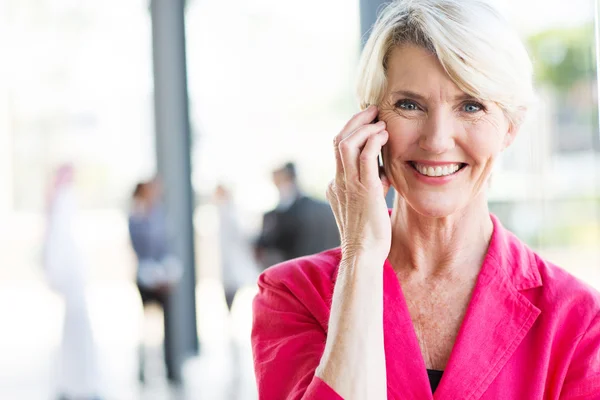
437 135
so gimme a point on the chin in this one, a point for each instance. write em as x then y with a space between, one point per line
432 207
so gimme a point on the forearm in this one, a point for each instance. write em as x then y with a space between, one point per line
353 362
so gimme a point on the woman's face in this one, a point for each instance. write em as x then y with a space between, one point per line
442 143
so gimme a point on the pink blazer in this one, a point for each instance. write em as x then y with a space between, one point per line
531 331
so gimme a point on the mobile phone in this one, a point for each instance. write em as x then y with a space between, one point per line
380 155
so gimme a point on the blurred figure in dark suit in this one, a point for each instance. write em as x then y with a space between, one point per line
298 226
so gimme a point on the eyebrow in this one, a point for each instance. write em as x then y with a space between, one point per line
420 97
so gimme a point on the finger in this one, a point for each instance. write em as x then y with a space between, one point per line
339 166
359 119
351 147
362 118
369 167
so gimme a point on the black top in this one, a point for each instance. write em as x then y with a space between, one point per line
434 378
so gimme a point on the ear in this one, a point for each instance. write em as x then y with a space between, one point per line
510 135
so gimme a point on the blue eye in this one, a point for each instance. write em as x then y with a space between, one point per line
472 107
407 105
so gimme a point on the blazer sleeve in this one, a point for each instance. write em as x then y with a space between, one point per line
583 377
287 345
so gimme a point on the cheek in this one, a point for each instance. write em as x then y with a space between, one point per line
402 134
483 144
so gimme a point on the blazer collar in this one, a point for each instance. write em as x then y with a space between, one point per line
513 258
496 321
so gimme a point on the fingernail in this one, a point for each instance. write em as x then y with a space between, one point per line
380 123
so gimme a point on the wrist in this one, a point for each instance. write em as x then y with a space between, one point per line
364 254
360 266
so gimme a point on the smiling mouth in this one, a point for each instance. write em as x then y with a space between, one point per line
438 170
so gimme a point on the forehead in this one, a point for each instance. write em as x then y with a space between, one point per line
414 69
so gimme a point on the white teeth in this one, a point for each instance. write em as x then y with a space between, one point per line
437 171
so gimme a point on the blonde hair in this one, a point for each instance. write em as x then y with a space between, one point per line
473 42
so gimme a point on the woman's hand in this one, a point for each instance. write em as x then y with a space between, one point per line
357 194
353 361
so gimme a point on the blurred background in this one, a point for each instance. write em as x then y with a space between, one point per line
268 82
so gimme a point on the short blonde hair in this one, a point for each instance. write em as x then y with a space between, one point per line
474 43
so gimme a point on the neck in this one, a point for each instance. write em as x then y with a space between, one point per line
288 192
424 247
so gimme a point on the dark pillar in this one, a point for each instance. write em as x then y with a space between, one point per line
174 167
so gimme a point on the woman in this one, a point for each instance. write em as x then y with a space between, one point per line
237 266
65 269
158 271
438 288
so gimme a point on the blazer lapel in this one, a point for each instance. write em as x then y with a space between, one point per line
406 372
496 321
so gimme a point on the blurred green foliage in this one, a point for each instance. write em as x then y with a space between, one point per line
564 56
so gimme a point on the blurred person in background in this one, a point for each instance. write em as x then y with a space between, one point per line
65 271
158 271
435 296
238 268
300 225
